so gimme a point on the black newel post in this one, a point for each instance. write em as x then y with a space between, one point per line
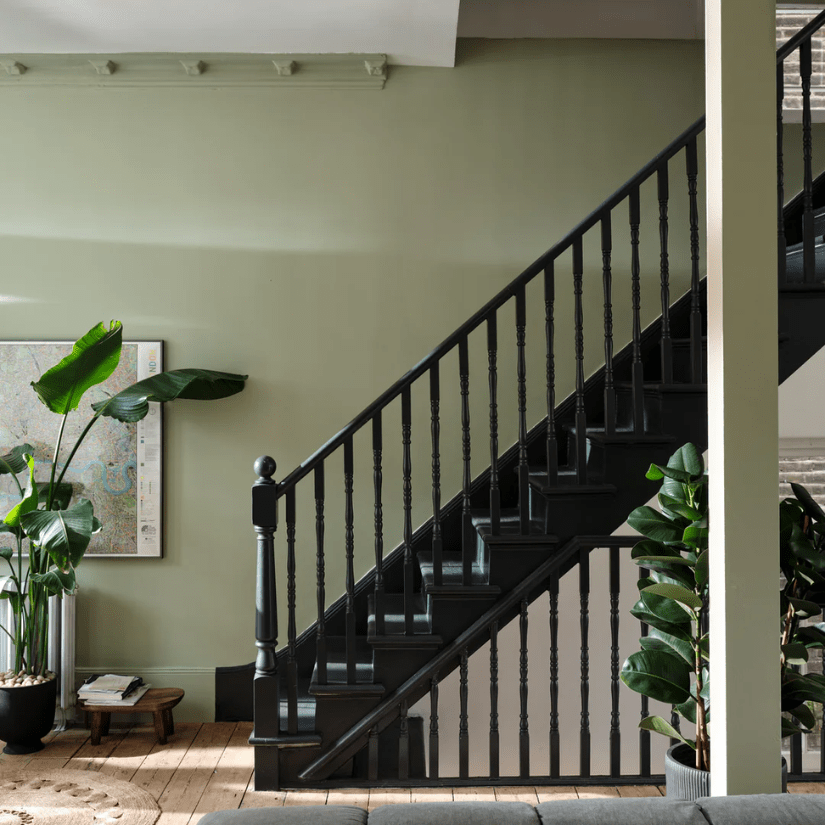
265 685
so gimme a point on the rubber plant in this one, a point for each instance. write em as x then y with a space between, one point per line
672 666
56 530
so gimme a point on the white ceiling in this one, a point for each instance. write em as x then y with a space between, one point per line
410 32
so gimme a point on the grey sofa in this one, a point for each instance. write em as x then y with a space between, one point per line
763 809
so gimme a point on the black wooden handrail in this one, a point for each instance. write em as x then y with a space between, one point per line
800 37
387 707
491 306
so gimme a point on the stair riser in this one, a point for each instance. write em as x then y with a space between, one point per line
595 456
681 362
509 566
453 615
652 410
333 714
393 667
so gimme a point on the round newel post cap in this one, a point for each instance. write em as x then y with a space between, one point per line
265 467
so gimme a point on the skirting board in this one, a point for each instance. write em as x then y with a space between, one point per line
198 705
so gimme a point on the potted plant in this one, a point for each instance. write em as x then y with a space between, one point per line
672 666
57 531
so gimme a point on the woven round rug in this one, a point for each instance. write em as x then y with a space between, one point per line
63 797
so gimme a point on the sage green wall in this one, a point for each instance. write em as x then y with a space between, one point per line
323 242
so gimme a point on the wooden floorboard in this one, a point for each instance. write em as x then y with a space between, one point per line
209 767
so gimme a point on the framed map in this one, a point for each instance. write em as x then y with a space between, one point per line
118 466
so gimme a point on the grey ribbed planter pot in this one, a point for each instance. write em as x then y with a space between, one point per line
683 781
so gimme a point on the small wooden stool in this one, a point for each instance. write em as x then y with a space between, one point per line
157 701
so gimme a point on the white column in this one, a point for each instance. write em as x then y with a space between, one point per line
742 395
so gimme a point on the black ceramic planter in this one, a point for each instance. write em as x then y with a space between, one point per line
26 716
684 781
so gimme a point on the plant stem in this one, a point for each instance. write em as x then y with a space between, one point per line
77 444
54 460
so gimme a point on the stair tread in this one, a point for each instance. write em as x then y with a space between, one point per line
394 624
621 436
452 574
510 528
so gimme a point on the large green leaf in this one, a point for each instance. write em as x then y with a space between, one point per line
27 503
657 471
798 689
678 575
61 497
654 525
812 635
14 461
56 581
702 570
658 675
643 614
666 608
647 547
804 608
795 653
93 358
789 728
132 404
812 509
696 535
657 640
63 534
805 715
804 548
658 725
679 508
675 592
688 459
688 710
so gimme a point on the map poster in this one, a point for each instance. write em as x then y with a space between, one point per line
118 466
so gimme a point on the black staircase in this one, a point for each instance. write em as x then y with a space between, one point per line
333 704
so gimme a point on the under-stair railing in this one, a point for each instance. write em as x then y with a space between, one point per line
574 555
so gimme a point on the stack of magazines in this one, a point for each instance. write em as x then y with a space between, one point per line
112 690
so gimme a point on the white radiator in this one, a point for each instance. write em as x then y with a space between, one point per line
61 651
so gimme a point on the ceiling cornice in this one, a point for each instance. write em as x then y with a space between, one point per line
314 71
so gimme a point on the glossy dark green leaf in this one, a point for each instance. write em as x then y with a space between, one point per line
657 640
804 715
665 608
676 593
702 571
27 503
658 675
6 553
61 498
641 612
795 653
695 535
648 547
789 728
804 608
658 725
674 574
57 582
657 471
812 509
63 534
688 710
679 508
654 525
14 461
798 689
812 635
688 459
93 358
666 560
132 404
